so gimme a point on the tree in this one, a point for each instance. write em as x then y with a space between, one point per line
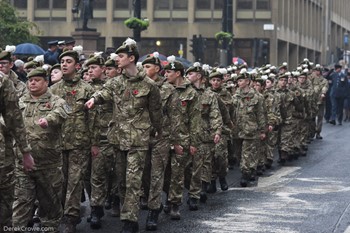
14 30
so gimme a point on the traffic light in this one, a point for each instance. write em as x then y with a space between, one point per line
194 46
339 53
201 47
263 48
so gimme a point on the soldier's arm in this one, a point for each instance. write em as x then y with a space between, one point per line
106 93
92 121
155 108
194 115
261 116
174 114
216 119
13 116
59 114
226 117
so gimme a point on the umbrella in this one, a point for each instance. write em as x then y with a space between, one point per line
239 60
28 49
184 62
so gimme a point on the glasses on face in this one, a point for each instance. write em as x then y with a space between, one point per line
4 63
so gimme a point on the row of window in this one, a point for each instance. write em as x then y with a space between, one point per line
158 4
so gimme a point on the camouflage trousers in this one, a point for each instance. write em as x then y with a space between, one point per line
44 185
287 140
102 167
262 152
6 195
130 166
220 159
207 153
159 160
271 143
249 155
178 164
237 149
319 118
74 167
304 132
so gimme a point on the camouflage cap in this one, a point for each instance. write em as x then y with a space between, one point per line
37 72
284 75
129 46
70 53
96 59
153 59
196 67
218 73
7 53
111 63
56 66
31 64
318 67
243 74
173 64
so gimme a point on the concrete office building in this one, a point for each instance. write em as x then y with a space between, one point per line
286 30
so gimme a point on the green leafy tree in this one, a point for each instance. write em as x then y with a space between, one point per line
14 30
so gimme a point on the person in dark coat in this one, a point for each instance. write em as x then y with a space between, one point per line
339 92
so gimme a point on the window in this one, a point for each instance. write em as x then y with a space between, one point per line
203 4
263 4
180 4
162 5
20 4
244 4
42 4
121 4
99 4
218 4
62 4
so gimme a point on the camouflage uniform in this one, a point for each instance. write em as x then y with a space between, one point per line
76 141
188 100
137 100
45 183
161 148
20 86
13 120
273 104
291 110
208 124
249 113
220 159
320 85
103 165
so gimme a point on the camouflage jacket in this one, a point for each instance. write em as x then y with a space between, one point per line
309 99
46 143
188 101
77 128
320 85
273 107
291 104
137 107
20 86
210 121
171 110
226 109
249 114
12 117
104 115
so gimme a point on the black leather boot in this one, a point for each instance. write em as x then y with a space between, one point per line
152 220
108 202
130 227
175 212
116 207
212 187
96 215
223 183
192 204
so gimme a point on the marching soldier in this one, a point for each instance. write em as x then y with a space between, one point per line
77 140
43 114
138 104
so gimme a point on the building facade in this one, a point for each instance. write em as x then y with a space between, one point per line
265 31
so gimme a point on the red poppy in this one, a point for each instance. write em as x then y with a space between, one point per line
48 105
73 92
183 103
135 92
248 99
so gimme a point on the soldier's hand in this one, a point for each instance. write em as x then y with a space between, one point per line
179 150
217 138
262 136
90 103
270 128
28 162
193 150
95 150
43 123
